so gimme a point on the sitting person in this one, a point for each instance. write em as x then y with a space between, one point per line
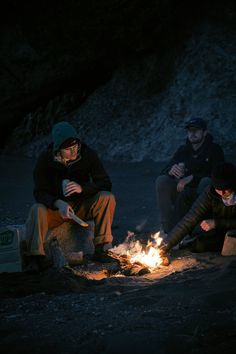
214 211
187 174
87 193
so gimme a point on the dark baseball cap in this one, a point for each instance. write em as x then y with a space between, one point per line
196 123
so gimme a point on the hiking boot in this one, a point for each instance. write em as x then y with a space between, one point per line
36 264
44 263
102 256
32 266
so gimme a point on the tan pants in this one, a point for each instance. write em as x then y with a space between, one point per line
99 208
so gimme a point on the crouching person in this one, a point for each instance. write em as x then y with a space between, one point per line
86 194
214 211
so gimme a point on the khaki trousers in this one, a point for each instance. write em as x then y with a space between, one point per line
99 208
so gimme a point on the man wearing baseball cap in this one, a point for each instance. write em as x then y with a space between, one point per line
187 173
86 194
196 123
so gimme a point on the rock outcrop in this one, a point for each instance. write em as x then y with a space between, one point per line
127 77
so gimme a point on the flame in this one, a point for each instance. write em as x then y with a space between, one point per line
136 252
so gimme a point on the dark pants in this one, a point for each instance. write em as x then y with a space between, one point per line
173 205
210 241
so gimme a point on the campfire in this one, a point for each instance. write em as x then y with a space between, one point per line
134 254
137 255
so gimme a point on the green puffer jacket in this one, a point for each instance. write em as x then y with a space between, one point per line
209 205
88 171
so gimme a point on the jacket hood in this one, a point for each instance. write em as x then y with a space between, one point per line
54 161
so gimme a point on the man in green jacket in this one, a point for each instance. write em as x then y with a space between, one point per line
69 179
214 211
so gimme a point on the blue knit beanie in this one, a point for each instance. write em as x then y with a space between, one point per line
61 132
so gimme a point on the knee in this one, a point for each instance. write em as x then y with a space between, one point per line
231 233
107 197
204 182
37 209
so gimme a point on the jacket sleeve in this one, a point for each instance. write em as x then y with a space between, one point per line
42 183
226 224
199 209
99 179
216 156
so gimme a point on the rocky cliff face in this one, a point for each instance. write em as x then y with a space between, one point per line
128 87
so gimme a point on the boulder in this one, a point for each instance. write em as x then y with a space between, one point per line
68 243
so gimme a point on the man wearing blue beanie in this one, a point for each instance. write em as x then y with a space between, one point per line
69 180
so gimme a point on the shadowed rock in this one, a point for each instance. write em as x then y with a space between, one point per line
67 244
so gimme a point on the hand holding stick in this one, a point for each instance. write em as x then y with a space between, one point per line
78 220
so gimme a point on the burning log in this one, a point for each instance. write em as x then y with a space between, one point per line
128 268
137 258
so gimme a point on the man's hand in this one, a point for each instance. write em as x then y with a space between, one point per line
64 208
72 187
176 171
208 225
162 248
182 183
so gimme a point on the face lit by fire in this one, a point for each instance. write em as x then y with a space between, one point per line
225 193
70 153
196 135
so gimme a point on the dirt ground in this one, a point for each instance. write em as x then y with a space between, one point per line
188 306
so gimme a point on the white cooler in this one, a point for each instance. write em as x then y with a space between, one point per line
11 238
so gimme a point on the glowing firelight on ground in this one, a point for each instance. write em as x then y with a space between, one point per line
148 255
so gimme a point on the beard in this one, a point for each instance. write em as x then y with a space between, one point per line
196 139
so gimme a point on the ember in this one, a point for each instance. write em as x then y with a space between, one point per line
136 252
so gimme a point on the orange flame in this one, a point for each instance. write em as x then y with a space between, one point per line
147 255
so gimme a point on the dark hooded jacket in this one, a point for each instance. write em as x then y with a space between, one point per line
209 205
198 163
88 171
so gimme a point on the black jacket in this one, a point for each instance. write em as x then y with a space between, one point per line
209 205
197 163
88 172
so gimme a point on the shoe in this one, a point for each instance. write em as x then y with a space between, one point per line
102 256
32 266
44 263
37 264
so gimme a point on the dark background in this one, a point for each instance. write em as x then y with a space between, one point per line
64 50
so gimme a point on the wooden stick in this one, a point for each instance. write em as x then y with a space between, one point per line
78 220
